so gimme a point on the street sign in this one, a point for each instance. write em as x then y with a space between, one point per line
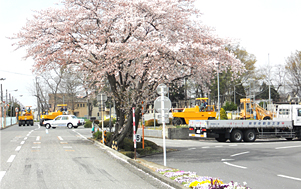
138 138
167 104
102 97
160 87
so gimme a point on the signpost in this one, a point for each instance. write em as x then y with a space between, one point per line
162 104
101 98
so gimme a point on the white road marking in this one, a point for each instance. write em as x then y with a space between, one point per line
60 138
36 147
235 165
239 154
293 178
206 147
37 142
285 147
80 135
11 158
233 145
18 148
2 173
191 148
22 142
38 138
67 146
218 146
46 131
25 138
227 159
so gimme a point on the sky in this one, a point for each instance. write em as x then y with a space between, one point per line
268 29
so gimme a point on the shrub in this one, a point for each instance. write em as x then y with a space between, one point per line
223 114
88 124
230 106
150 122
97 135
107 122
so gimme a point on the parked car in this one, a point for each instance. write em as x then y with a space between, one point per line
69 121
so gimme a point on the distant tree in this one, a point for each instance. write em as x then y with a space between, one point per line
264 93
293 70
227 83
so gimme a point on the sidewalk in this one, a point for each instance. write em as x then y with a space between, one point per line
146 166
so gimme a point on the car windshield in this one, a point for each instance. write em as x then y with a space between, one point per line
73 117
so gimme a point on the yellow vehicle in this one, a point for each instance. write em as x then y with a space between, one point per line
26 117
183 115
52 115
247 111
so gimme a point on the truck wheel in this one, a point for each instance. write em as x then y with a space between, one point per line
19 123
221 138
70 125
47 126
41 122
249 135
236 136
178 121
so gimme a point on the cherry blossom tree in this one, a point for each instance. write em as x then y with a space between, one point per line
132 45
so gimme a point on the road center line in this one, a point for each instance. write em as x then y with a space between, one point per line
18 148
11 158
2 173
235 165
60 138
293 178
287 147
25 138
240 154
22 142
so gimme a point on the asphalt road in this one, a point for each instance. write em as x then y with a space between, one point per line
35 157
262 164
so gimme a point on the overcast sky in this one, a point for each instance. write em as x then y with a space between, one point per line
262 27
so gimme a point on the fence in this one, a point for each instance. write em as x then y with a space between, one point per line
9 121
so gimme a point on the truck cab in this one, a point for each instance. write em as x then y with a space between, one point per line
289 112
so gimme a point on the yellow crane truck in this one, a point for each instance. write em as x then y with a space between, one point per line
52 115
202 112
25 117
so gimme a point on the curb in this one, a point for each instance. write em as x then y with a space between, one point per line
139 164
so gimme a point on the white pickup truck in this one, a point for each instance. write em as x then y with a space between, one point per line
69 121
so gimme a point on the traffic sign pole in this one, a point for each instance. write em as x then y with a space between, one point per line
134 132
163 121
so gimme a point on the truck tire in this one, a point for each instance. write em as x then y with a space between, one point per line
177 121
41 122
249 135
236 135
19 124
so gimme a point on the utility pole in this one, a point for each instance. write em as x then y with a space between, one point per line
269 78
